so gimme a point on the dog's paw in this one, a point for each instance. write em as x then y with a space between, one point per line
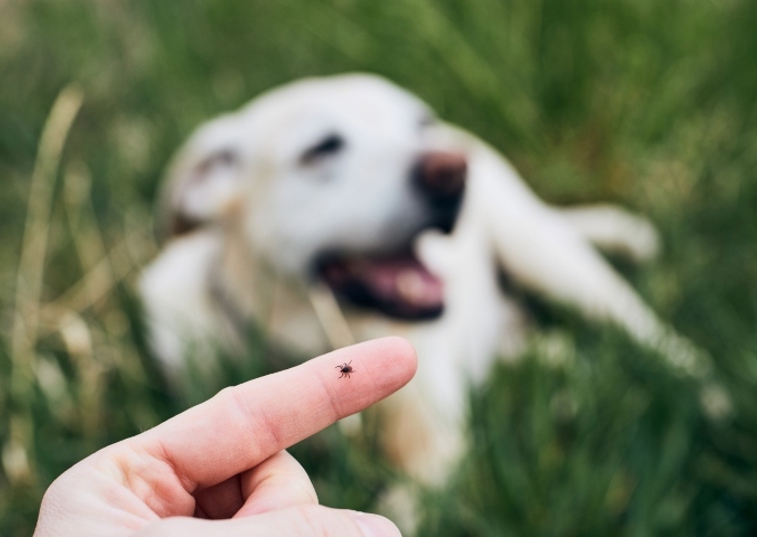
615 230
642 239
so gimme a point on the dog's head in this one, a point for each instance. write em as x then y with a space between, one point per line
329 178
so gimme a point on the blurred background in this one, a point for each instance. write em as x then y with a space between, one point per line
647 103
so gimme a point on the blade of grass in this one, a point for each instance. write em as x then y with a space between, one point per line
30 272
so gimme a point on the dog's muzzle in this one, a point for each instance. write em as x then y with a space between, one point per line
398 284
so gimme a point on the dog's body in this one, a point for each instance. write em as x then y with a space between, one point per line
338 188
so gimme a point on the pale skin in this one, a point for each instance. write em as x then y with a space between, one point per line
221 469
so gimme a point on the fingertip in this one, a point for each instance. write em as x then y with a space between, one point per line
374 525
392 358
404 352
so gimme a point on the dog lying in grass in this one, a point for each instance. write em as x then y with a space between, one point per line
340 209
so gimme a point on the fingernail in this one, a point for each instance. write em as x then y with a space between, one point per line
375 526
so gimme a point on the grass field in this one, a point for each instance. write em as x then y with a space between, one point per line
648 103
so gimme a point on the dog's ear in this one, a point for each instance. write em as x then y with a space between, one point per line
204 181
206 193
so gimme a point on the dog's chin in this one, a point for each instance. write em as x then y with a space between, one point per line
396 285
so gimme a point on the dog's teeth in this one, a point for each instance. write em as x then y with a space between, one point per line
411 286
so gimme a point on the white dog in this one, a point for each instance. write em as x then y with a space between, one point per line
339 209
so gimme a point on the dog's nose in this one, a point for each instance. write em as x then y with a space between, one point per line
440 175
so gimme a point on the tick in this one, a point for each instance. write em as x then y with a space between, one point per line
345 369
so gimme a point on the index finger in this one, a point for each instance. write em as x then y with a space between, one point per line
244 425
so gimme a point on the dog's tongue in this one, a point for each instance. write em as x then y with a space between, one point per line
403 280
399 285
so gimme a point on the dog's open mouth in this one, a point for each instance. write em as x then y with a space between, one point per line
397 285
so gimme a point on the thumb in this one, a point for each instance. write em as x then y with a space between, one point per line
300 521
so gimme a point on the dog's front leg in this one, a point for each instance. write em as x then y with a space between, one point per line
422 432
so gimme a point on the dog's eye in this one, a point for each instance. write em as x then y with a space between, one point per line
330 145
223 158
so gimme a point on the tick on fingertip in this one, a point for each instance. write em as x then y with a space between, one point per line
345 369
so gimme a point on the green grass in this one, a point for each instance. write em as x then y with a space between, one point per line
649 103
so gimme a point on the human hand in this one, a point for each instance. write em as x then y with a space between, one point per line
220 469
